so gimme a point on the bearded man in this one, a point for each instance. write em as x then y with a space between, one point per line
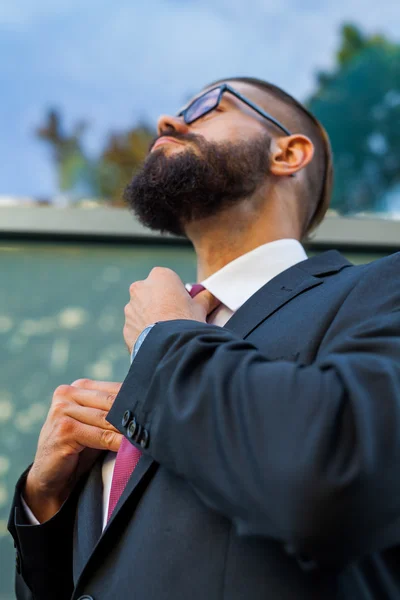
253 449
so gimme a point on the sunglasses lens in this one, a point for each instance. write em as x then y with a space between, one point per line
202 105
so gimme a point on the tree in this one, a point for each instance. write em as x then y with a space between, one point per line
75 172
359 104
103 177
121 158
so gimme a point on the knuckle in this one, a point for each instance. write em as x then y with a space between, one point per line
101 418
82 383
66 451
64 427
59 406
133 287
158 270
62 391
110 399
126 308
107 438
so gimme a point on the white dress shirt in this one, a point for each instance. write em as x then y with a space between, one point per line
233 285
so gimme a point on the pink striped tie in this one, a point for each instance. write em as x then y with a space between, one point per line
128 455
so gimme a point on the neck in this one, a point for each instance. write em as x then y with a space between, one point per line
233 232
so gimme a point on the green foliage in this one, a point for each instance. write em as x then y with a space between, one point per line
359 104
122 156
103 177
67 150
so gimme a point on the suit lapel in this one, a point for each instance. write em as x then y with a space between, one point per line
283 288
88 536
88 522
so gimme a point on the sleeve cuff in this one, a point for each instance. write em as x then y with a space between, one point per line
134 412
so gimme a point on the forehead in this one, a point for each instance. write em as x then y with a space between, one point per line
260 97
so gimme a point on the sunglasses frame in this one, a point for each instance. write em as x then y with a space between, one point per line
227 88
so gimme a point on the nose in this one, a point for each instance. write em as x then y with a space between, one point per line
168 123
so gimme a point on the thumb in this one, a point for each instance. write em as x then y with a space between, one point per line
207 301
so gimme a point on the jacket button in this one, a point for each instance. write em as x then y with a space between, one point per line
132 427
144 439
126 418
138 433
86 597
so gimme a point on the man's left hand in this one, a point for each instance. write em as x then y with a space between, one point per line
162 297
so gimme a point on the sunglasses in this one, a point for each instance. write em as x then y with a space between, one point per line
210 100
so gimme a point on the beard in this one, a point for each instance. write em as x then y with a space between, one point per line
169 192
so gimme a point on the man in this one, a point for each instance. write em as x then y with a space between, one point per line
258 428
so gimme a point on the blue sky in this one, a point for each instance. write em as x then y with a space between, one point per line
115 63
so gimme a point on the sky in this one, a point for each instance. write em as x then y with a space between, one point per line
115 63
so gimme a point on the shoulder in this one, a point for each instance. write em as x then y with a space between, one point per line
377 284
384 273
361 291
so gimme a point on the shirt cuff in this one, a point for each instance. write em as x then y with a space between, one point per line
29 514
140 341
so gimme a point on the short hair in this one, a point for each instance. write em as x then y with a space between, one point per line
320 170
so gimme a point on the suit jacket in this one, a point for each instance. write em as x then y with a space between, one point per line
271 453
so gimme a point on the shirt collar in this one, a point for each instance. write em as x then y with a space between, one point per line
237 281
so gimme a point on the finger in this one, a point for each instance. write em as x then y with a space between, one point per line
97 438
103 386
207 301
92 398
164 272
89 416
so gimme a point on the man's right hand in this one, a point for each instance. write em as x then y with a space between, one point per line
74 433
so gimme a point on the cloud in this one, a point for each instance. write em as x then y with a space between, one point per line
114 63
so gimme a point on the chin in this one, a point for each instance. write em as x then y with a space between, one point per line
168 147
171 148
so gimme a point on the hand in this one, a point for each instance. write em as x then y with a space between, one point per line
162 297
71 439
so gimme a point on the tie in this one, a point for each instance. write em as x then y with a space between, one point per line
128 455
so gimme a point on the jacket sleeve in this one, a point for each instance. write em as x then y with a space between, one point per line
43 552
308 455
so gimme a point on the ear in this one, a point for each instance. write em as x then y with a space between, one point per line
290 154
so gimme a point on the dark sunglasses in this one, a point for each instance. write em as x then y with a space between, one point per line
210 100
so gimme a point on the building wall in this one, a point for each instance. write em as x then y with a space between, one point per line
61 318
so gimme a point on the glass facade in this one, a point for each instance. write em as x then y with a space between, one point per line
61 318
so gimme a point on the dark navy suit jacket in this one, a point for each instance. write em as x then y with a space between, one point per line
271 464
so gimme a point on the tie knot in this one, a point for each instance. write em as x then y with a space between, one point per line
196 289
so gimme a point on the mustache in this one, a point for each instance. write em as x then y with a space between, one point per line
197 140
